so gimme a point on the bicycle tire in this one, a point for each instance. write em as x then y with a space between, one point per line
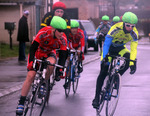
75 80
67 80
113 96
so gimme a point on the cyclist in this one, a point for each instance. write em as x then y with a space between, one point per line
58 9
114 44
76 41
102 30
45 44
116 19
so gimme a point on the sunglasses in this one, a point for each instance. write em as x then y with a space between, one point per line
129 25
59 11
60 30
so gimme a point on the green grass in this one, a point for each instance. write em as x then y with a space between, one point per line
6 52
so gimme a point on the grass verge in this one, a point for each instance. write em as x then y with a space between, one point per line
6 52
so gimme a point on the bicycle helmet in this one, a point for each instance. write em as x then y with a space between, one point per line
74 24
105 18
129 17
58 23
59 5
116 19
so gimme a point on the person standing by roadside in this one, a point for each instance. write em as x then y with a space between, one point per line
23 35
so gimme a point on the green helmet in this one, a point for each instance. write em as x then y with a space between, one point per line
58 23
74 24
116 19
105 18
129 17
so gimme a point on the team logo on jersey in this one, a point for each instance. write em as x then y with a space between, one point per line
46 42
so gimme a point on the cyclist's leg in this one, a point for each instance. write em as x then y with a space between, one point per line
99 84
24 91
61 61
124 53
80 59
52 58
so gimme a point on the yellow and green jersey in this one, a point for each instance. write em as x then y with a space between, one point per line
117 37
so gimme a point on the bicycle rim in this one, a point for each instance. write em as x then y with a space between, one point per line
113 97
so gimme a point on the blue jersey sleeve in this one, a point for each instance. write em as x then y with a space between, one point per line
107 43
98 29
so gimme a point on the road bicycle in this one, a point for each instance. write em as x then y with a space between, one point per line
72 75
40 89
112 85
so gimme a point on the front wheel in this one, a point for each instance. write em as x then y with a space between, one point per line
39 100
113 95
67 81
75 80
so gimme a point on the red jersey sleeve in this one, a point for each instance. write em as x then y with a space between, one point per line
82 40
63 44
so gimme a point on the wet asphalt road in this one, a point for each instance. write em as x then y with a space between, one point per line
134 98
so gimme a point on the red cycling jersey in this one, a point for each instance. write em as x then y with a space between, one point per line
77 40
47 43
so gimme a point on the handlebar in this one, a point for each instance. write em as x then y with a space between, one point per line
120 58
73 51
47 62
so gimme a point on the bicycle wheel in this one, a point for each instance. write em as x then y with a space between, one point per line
113 95
39 100
68 81
75 80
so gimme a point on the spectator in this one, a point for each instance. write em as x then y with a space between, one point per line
23 35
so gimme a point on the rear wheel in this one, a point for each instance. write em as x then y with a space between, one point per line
113 95
75 78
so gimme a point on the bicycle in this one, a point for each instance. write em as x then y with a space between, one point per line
112 85
72 76
40 89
